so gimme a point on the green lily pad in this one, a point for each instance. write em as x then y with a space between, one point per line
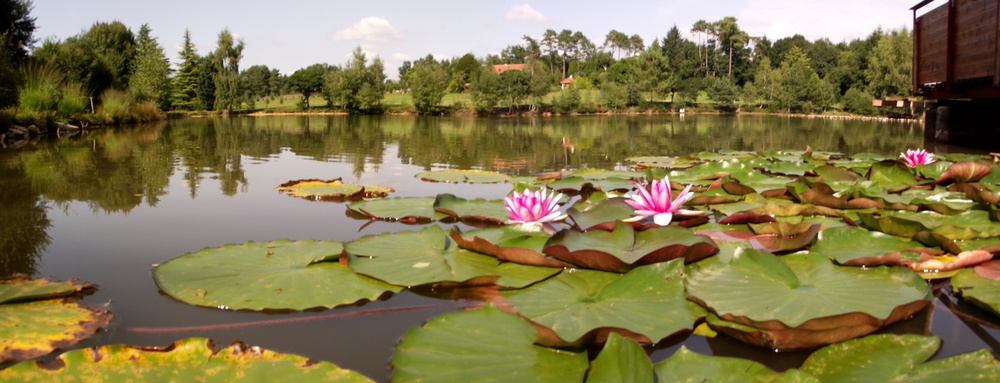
802 300
484 345
624 248
18 289
980 291
621 360
188 360
972 224
267 275
690 367
648 301
858 247
600 215
331 190
418 258
32 329
898 358
830 174
464 176
793 168
603 174
508 244
475 209
410 209
891 175
576 184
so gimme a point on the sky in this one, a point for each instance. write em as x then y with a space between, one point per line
293 35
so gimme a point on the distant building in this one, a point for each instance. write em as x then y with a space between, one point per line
498 69
567 82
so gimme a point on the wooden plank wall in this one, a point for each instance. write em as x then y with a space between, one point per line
973 53
975 39
931 32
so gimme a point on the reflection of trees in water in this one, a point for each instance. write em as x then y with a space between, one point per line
23 223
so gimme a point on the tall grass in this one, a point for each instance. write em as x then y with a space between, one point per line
73 103
39 94
115 107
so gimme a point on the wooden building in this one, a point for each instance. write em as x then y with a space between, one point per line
956 64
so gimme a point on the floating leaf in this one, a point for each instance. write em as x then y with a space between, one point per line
600 215
858 247
32 329
484 345
186 360
331 190
602 174
648 301
623 248
621 360
508 244
476 209
898 358
578 184
282 274
464 176
19 289
802 300
980 291
795 168
965 172
830 174
690 367
410 209
417 258
891 175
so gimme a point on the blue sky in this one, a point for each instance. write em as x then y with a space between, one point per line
293 35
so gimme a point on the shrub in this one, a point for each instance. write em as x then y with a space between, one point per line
567 101
116 105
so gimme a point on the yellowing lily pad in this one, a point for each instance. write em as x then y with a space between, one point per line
187 360
290 275
34 324
331 190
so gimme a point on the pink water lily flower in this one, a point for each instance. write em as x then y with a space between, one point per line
659 202
534 207
914 157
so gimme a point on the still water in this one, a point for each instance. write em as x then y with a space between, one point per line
107 205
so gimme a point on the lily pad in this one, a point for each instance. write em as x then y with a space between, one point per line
32 329
475 209
18 289
648 301
188 360
508 244
464 176
410 209
858 247
600 215
577 184
621 360
418 258
980 291
802 300
690 367
291 275
484 345
331 190
898 358
624 248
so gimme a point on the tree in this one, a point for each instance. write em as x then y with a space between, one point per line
617 42
725 94
801 89
185 84
890 71
359 87
16 28
428 82
731 37
150 71
655 77
257 82
307 81
461 72
227 55
485 90
114 47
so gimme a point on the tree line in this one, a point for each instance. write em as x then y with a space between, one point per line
108 74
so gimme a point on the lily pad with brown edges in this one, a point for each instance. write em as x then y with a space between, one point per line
508 244
624 248
407 209
801 300
187 360
979 288
474 209
38 318
601 215
331 190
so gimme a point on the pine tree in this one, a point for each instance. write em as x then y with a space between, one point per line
185 84
150 71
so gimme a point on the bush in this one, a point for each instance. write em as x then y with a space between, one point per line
73 103
117 105
567 101
614 96
858 102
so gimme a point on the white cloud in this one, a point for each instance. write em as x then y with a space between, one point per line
370 29
402 57
525 12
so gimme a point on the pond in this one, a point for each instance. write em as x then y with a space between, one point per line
108 205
